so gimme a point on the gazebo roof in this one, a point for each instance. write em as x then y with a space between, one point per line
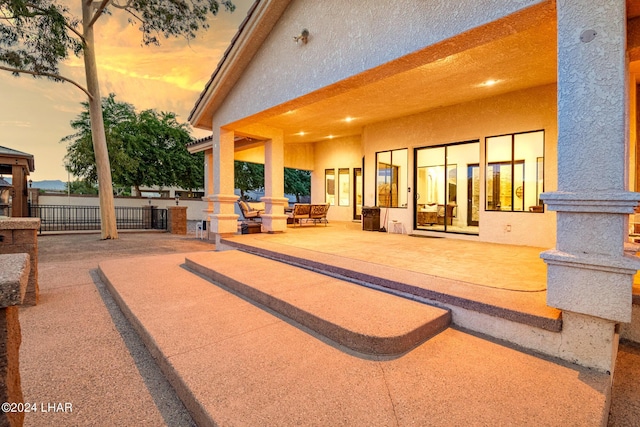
9 156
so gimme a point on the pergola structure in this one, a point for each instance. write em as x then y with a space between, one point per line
18 165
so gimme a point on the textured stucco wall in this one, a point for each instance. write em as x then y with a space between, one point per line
335 154
591 82
527 110
347 38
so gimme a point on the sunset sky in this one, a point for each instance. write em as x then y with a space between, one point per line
35 113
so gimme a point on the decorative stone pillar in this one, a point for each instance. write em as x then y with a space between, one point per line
589 276
19 235
14 276
177 219
274 220
223 220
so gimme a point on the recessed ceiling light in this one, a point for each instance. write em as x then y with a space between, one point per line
301 133
330 137
488 83
348 119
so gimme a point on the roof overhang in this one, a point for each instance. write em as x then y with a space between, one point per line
255 28
519 51
10 157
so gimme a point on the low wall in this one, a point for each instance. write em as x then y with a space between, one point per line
14 276
19 235
195 207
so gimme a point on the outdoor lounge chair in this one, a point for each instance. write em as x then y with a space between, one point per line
300 212
319 214
248 212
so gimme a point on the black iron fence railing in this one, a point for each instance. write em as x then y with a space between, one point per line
69 218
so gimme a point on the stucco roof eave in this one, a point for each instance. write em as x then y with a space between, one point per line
260 20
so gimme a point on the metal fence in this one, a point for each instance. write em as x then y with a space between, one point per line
70 218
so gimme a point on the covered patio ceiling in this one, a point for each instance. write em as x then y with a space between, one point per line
514 59
515 53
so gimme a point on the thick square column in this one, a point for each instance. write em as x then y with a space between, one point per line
208 185
274 220
589 277
223 220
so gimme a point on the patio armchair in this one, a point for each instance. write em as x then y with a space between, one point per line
248 212
318 213
300 212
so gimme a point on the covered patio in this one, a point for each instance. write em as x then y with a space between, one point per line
447 119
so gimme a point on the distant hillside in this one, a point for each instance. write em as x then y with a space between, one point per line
49 184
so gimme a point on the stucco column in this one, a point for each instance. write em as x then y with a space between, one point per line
208 184
223 220
589 277
274 220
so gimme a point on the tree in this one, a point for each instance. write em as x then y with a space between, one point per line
36 35
81 187
297 182
248 177
148 148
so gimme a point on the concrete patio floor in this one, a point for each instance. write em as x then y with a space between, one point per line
77 346
491 265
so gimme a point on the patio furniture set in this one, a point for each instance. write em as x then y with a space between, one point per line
300 212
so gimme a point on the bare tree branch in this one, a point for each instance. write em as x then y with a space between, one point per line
98 12
122 6
53 76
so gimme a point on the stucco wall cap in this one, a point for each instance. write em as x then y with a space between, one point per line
622 202
229 198
19 223
626 264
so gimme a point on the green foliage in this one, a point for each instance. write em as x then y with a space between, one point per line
297 182
248 177
35 35
145 149
81 187
171 18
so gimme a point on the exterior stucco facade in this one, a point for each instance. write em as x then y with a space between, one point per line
347 38
411 71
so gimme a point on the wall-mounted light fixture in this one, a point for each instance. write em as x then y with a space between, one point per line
303 37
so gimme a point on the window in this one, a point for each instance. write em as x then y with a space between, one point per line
330 186
392 178
515 172
343 187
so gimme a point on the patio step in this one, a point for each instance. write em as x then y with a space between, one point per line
233 363
523 308
359 318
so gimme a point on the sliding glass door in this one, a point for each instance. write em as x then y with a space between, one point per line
444 202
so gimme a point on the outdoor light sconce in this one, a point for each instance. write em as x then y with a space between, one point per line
303 37
177 200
